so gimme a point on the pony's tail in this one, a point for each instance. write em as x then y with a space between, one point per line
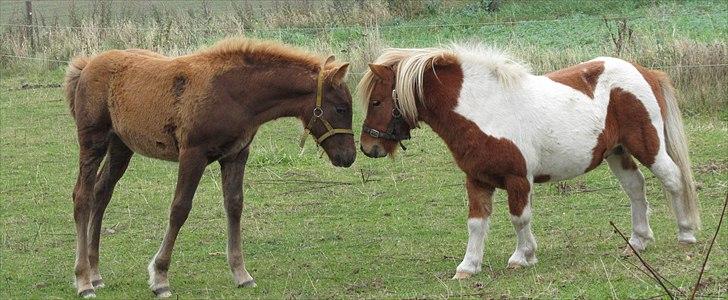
71 81
677 147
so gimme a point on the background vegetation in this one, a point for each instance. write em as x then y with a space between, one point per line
382 228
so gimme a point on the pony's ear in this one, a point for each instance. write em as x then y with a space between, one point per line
382 72
339 73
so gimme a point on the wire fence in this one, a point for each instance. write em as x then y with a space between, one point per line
692 18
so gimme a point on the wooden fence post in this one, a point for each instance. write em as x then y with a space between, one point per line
29 21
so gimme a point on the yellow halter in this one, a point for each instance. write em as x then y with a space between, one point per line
318 113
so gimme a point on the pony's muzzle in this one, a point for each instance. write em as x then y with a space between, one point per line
375 151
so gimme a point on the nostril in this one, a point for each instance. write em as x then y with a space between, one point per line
375 149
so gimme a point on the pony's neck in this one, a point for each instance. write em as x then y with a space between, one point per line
442 89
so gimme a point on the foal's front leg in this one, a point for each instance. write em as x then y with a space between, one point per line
519 205
192 163
233 169
480 202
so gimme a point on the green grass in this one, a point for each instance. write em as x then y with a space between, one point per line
382 228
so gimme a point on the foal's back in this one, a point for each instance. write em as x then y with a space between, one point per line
142 95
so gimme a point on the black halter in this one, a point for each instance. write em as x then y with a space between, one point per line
393 129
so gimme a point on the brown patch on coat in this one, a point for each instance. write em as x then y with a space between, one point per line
491 161
653 79
627 123
541 178
582 77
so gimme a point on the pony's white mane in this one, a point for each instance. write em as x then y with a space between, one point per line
411 64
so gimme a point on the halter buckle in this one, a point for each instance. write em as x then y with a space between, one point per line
374 133
318 112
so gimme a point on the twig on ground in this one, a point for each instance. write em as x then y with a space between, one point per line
702 269
654 275
663 278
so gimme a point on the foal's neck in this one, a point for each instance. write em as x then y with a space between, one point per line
273 91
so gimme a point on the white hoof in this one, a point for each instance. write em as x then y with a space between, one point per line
462 275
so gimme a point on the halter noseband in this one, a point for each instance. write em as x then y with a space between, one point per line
318 113
392 133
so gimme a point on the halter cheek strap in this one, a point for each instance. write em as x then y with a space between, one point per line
392 133
318 113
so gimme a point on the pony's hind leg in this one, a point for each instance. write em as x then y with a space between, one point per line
480 202
671 177
117 159
233 170
192 163
633 183
519 205
93 144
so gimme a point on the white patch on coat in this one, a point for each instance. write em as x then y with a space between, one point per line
553 125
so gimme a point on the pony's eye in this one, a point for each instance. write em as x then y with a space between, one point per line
376 103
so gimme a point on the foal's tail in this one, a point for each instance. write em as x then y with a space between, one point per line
71 81
677 148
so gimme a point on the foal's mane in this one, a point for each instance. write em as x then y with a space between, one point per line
262 51
410 66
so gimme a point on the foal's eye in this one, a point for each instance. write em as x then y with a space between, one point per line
376 103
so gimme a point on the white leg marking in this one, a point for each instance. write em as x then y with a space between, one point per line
633 183
158 281
668 172
525 254
473 260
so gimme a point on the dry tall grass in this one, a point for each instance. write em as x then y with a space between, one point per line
318 25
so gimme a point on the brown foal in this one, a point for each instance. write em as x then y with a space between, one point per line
194 109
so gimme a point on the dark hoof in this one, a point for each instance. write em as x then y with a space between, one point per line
249 283
98 283
90 293
162 292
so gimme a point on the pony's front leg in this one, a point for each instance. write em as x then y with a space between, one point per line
233 169
480 204
519 205
192 163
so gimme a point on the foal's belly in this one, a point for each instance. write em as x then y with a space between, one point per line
146 128
158 146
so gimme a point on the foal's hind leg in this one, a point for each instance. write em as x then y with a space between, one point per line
93 143
519 205
233 169
480 202
192 163
633 183
117 159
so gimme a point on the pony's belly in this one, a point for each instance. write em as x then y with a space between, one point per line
563 166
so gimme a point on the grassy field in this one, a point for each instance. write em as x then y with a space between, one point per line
382 228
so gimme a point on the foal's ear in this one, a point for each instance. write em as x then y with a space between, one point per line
339 73
382 72
329 59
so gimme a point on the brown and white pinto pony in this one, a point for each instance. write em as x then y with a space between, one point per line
509 129
194 109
